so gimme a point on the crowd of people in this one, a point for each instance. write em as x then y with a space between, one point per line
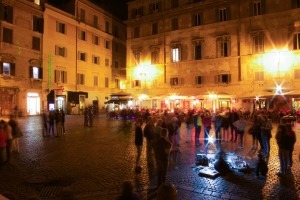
10 133
54 123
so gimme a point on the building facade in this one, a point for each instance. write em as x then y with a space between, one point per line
84 56
21 41
69 58
214 54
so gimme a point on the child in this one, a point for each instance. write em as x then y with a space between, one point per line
262 166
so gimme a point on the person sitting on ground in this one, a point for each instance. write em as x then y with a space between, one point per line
167 191
262 166
127 192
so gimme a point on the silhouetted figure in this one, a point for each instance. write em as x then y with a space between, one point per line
262 166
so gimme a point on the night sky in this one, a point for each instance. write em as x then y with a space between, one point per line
117 7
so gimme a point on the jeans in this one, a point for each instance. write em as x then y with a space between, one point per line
197 134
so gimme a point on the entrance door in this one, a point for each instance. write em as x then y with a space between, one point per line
61 102
33 104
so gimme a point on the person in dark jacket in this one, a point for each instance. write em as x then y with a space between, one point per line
163 148
138 142
282 139
262 166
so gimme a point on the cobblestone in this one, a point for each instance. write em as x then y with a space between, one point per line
92 162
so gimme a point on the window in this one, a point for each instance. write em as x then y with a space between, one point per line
296 3
117 83
60 27
136 83
154 7
175 52
297 74
223 46
296 41
96 59
60 76
106 44
137 56
38 24
82 35
197 19
258 43
223 78
107 27
174 3
155 57
95 81
154 28
174 24
95 21
36 43
7 13
136 32
176 81
7 69
82 56
37 2
7 35
116 64
82 15
257 7
36 72
116 31
199 80
223 16
259 76
198 52
106 82
60 51
137 12
107 62
95 40
80 79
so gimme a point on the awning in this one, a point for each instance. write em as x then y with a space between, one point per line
117 101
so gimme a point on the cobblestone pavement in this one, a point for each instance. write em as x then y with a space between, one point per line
93 162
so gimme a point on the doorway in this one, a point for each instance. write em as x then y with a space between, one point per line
33 104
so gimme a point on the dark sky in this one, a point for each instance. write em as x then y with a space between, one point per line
117 7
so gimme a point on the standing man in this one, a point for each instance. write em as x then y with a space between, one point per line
198 125
149 135
163 148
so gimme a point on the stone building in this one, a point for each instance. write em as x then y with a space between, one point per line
214 54
67 57
21 70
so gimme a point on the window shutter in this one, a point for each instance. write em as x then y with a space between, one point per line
30 72
1 67
65 76
228 13
159 6
12 69
263 7
182 81
229 78
40 73
10 14
150 8
2 13
41 25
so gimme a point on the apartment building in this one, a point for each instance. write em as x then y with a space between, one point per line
21 71
214 54
84 56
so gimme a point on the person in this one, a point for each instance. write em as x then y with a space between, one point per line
127 192
163 148
255 131
233 117
240 126
189 127
149 135
86 117
58 120
167 191
51 122
282 139
45 124
9 141
3 139
218 124
138 143
172 133
292 141
206 121
225 127
16 133
261 166
63 119
197 124
266 127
